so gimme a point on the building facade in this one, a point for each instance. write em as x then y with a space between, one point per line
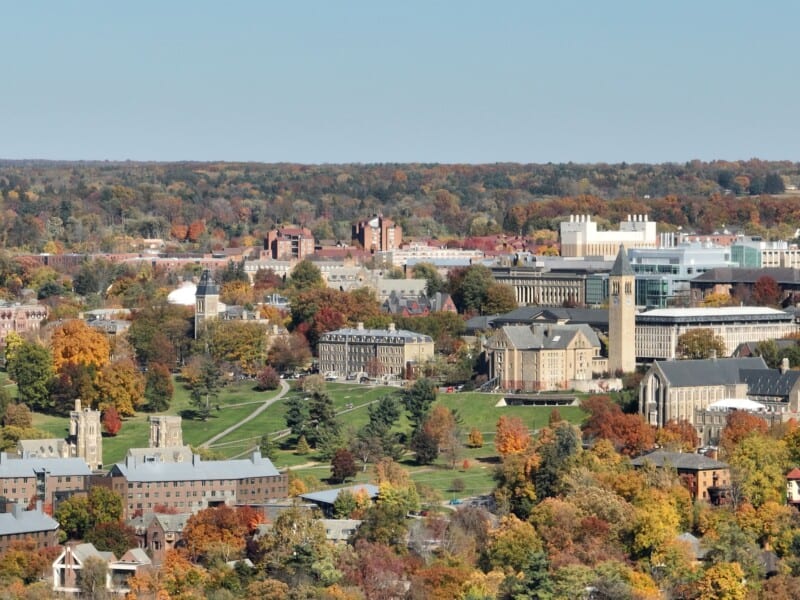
48 480
287 243
543 357
194 485
374 351
705 478
657 331
378 234
580 237
32 525
20 318
676 389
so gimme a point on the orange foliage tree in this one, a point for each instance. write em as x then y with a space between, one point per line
76 343
512 436
219 530
678 436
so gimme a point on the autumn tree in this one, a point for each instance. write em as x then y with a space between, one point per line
289 353
678 436
475 438
121 385
75 342
700 343
766 291
267 379
630 434
240 343
738 425
500 299
343 465
111 421
215 531
511 436
305 275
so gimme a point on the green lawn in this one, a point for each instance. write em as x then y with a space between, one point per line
239 399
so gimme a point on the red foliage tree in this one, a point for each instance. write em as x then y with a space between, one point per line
112 422
738 425
630 434
766 291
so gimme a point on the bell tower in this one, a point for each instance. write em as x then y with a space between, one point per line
621 315
206 301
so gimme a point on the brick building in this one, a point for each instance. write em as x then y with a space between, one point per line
21 524
378 234
46 479
194 485
287 243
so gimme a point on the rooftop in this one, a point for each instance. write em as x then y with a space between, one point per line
679 460
196 469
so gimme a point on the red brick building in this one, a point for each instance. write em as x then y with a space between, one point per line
286 243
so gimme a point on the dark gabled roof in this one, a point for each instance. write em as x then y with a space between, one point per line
207 285
709 371
770 382
682 461
595 317
622 266
783 275
750 348
547 337
521 314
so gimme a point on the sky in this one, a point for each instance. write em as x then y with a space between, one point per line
379 81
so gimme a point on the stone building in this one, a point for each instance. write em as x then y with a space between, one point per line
206 302
374 351
85 440
543 357
657 331
20 318
621 316
165 431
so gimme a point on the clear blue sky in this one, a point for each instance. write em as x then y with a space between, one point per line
400 81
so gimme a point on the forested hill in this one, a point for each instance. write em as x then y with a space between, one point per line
91 206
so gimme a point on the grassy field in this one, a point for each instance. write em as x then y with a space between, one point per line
239 399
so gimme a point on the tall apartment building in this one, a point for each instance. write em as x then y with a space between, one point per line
286 243
580 237
378 234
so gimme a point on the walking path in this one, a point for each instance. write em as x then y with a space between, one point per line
250 417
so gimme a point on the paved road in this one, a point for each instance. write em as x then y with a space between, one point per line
250 417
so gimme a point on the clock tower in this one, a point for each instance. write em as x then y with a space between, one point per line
206 304
621 315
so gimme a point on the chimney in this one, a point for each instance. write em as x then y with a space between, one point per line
17 510
78 404
784 365
392 328
713 355
360 326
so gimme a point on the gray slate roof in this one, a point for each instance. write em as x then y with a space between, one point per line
26 521
207 285
770 382
172 522
196 470
710 371
622 266
547 337
679 460
28 467
329 496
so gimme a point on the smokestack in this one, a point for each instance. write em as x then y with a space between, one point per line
784 365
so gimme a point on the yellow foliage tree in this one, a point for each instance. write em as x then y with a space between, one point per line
121 385
723 581
77 343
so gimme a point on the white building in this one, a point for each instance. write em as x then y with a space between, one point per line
657 331
580 237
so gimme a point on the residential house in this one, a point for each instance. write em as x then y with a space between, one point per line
705 478
68 566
